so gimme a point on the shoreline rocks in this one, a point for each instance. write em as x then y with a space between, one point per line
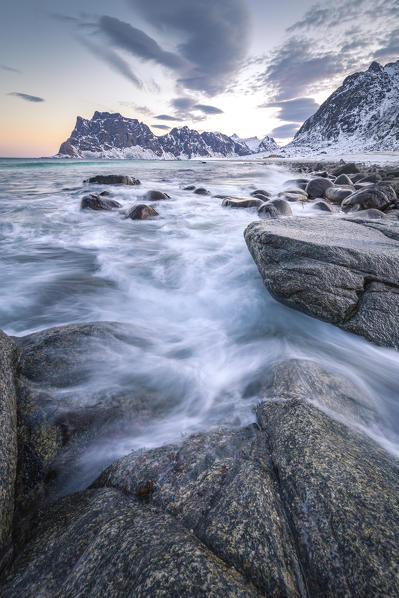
112 179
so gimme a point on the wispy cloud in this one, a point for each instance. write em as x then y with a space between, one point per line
207 109
296 110
26 96
4 67
167 117
163 127
285 131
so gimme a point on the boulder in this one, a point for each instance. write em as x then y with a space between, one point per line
370 178
348 168
189 188
337 194
338 270
292 196
343 179
260 193
317 187
155 195
370 197
202 191
8 442
242 203
295 191
301 183
275 208
96 202
113 179
141 212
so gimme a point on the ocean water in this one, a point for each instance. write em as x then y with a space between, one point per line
206 331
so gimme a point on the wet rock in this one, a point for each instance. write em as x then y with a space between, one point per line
260 193
141 212
156 195
370 197
292 196
294 191
96 202
348 168
113 179
322 206
301 183
242 203
337 194
370 178
355 178
343 179
8 442
202 191
101 542
275 208
317 187
340 491
337 270
189 188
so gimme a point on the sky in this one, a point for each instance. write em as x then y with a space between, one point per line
250 67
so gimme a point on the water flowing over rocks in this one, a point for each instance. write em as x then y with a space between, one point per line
141 212
95 202
346 274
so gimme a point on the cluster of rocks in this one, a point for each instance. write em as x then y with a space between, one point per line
101 201
345 187
297 504
347 271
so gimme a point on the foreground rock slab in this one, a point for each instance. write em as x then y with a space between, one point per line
296 505
345 271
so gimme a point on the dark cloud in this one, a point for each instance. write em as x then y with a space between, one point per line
296 110
183 104
136 42
296 66
212 36
110 57
26 96
163 127
4 67
167 117
207 109
285 131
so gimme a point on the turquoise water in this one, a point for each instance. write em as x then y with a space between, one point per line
186 281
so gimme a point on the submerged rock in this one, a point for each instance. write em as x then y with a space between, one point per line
202 191
260 193
141 212
275 208
96 202
322 206
343 272
242 203
156 195
113 179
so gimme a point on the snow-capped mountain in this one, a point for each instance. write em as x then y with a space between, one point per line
256 145
361 115
109 135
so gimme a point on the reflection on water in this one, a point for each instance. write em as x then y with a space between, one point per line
207 328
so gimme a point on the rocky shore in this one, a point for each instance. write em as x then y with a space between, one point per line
302 503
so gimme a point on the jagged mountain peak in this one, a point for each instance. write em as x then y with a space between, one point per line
361 115
111 135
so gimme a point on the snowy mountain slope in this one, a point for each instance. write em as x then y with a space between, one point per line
109 135
256 145
361 115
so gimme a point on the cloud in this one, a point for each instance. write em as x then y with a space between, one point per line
136 42
26 96
207 109
285 131
297 66
111 58
167 117
4 67
164 127
296 110
390 46
183 103
212 36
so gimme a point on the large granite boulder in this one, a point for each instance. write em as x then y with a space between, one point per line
8 441
343 271
299 504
